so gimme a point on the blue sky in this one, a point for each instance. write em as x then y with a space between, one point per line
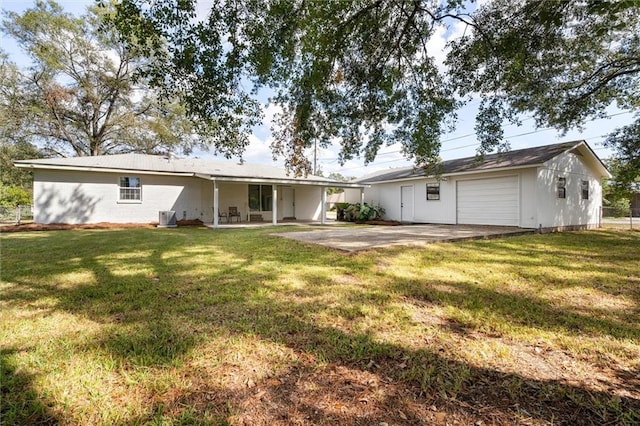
460 143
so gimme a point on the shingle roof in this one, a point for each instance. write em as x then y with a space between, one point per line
163 164
515 158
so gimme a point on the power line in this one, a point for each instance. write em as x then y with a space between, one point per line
545 129
476 144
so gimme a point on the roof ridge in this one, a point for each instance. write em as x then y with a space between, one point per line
569 143
522 157
157 163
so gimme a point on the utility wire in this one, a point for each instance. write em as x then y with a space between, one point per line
544 129
476 144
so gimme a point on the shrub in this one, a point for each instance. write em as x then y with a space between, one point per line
340 208
361 212
616 206
14 196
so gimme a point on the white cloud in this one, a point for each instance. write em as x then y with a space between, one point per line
270 111
259 152
437 45
482 3
202 10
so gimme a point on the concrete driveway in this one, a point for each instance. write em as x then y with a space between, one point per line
356 238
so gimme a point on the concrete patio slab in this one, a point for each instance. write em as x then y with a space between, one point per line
356 238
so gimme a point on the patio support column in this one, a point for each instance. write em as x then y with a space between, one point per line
323 210
361 197
216 204
274 219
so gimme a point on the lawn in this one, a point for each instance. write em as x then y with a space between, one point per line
237 326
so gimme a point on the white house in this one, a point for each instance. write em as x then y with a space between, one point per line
551 187
134 188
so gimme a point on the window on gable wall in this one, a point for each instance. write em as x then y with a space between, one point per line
433 191
130 189
562 187
585 189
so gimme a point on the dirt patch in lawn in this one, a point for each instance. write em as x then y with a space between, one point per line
312 393
26 227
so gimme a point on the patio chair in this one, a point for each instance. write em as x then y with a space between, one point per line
233 212
221 215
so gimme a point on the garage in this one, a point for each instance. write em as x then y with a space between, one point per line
491 201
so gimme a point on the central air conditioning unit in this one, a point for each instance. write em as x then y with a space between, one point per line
167 219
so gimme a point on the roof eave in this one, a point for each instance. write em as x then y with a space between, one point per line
602 168
281 181
42 166
97 169
463 173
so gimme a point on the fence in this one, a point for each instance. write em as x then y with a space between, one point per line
613 216
16 214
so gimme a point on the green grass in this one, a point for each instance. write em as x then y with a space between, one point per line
193 326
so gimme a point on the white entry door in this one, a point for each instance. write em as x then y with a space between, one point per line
406 203
288 203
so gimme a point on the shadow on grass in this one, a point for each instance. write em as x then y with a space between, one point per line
158 303
20 403
355 362
606 253
514 309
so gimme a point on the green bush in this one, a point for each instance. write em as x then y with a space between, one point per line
360 212
14 196
340 208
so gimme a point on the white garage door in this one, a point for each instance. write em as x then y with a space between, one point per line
491 201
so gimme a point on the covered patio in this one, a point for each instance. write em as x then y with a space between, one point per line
246 201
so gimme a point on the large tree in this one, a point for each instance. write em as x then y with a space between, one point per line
564 61
363 72
84 93
15 184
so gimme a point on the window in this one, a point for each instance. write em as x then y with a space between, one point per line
433 191
562 187
260 198
130 189
585 189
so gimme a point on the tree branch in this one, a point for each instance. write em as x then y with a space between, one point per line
602 83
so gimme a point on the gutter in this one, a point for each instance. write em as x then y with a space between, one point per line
280 181
97 169
454 174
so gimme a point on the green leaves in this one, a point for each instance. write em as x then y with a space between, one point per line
356 72
626 165
197 62
14 196
576 60
363 72
361 77
86 92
